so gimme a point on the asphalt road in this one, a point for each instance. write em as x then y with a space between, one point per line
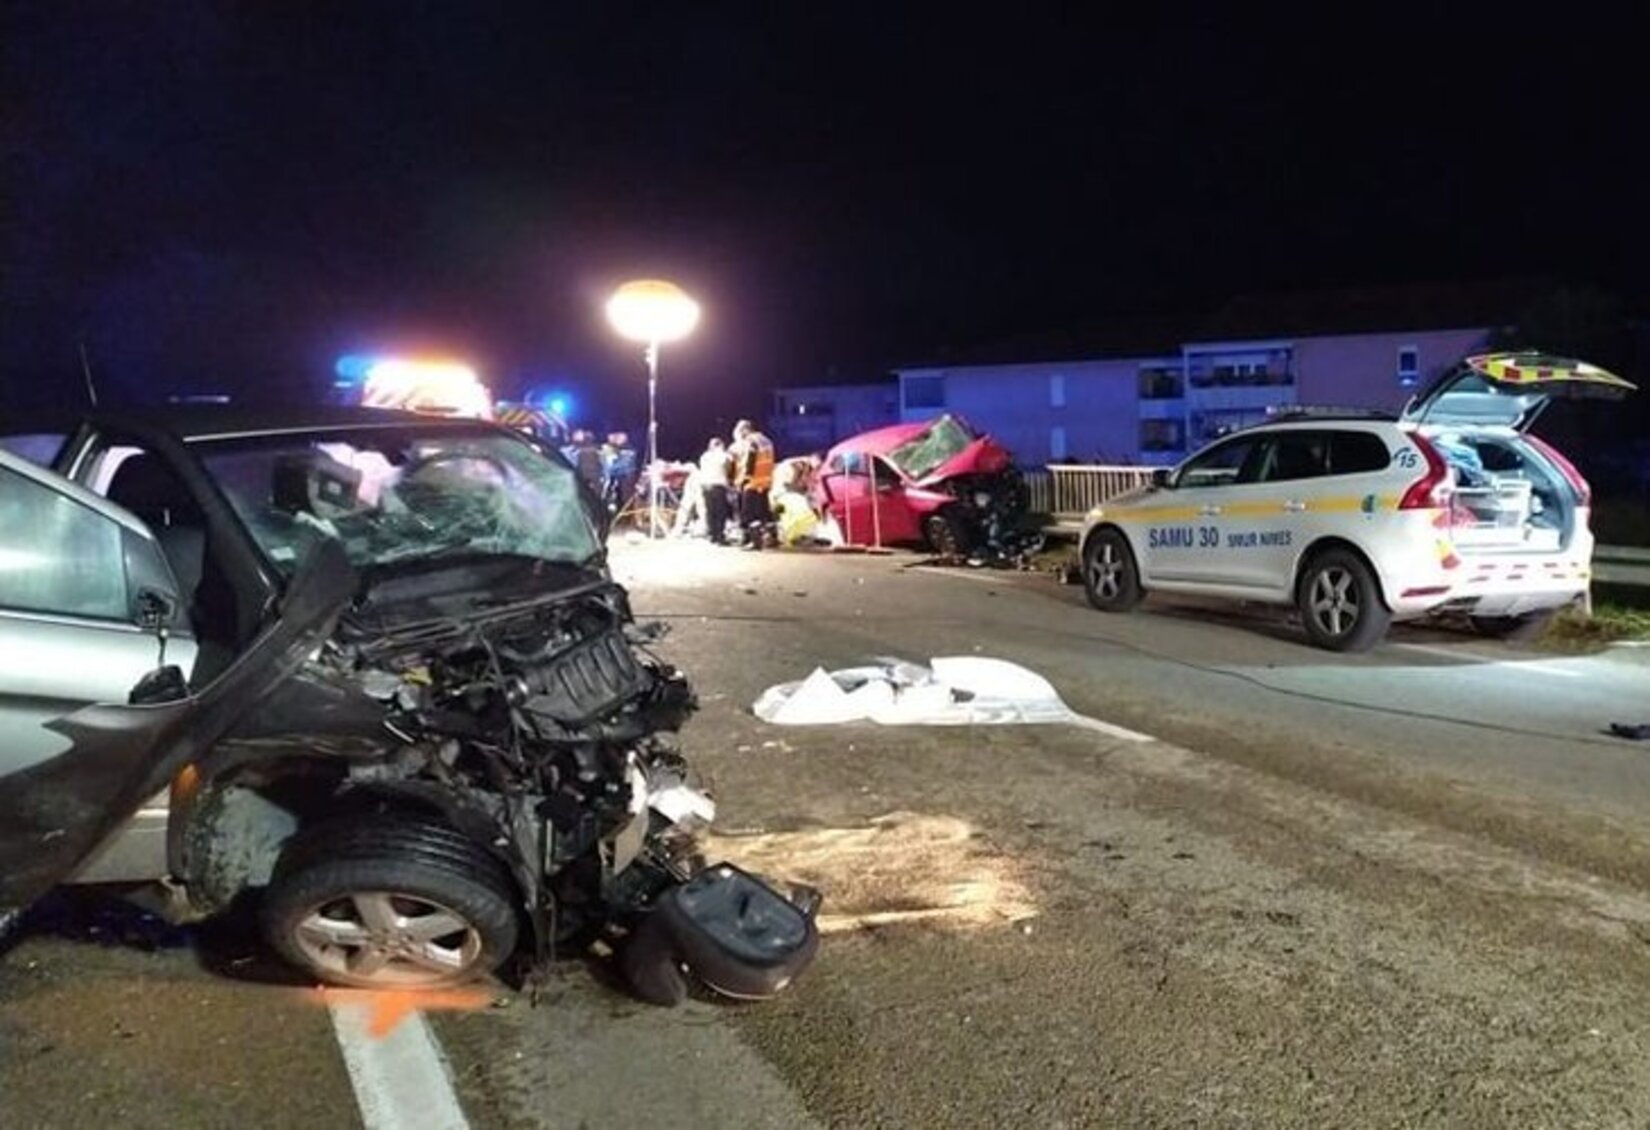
1407 887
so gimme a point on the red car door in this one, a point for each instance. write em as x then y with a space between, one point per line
846 485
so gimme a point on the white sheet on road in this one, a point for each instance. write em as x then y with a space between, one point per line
962 690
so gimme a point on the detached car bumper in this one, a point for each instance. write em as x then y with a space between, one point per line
730 930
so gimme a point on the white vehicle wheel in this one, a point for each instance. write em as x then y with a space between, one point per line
390 903
1340 602
1110 576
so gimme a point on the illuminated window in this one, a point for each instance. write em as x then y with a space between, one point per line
1409 366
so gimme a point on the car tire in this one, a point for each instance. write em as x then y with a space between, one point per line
1340 602
1110 576
390 902
1514 629
945 534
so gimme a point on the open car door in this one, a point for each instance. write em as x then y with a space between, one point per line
1510 389
55 813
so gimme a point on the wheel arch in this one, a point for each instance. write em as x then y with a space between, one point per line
1327 543
228 835
1094 531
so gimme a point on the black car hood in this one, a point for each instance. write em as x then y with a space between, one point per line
460 589
56 813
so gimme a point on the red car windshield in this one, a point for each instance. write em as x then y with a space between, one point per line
933 447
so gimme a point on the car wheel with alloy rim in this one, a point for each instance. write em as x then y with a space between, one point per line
1110 577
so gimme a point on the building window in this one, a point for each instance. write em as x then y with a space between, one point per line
1057 390
1056 444
1228 371
923 392
1162 435
1409 366
1160 383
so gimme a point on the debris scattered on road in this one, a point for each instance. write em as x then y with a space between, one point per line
898 868
951 691
1635 733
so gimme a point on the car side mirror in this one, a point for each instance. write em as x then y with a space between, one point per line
154 610
162 685
1163 477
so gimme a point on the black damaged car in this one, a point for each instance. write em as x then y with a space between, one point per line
372 672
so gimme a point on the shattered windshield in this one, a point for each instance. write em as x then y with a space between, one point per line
933 447
390 495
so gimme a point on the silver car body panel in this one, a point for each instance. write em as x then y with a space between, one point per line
53 665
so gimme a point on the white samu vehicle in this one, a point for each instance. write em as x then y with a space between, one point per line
1360 519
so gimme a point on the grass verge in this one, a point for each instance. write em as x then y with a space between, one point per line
1611 622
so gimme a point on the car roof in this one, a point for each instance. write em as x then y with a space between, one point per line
1308 413
196 422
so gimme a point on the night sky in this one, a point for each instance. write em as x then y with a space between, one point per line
225 197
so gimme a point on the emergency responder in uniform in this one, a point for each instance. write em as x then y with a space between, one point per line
753 479
619 470
586 458
713 483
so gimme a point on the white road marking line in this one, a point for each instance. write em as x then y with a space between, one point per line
1442 652
969 575
1121 732
1469 659
1542 669
401 1079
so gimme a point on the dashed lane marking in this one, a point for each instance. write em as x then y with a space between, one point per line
400 1076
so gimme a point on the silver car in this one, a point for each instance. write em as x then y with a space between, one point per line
88 608
370 670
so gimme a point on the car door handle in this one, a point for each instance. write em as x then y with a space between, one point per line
1208 512
1294 507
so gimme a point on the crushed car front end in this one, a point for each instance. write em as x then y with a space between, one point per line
477 762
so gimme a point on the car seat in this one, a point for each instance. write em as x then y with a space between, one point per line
1296 461
153 492
143 485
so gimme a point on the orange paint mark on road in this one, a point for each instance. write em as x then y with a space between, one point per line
389 1007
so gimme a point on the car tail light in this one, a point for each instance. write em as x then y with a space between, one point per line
1584 492
1427 492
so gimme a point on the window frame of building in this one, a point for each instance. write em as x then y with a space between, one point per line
1409 376
1175 429
929 381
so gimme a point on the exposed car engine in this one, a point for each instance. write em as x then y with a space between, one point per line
550 721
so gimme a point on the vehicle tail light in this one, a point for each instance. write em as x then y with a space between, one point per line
1584 492
1429 491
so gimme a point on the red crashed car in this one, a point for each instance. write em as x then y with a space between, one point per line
938 483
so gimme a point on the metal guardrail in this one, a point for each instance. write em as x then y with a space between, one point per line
1068 492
